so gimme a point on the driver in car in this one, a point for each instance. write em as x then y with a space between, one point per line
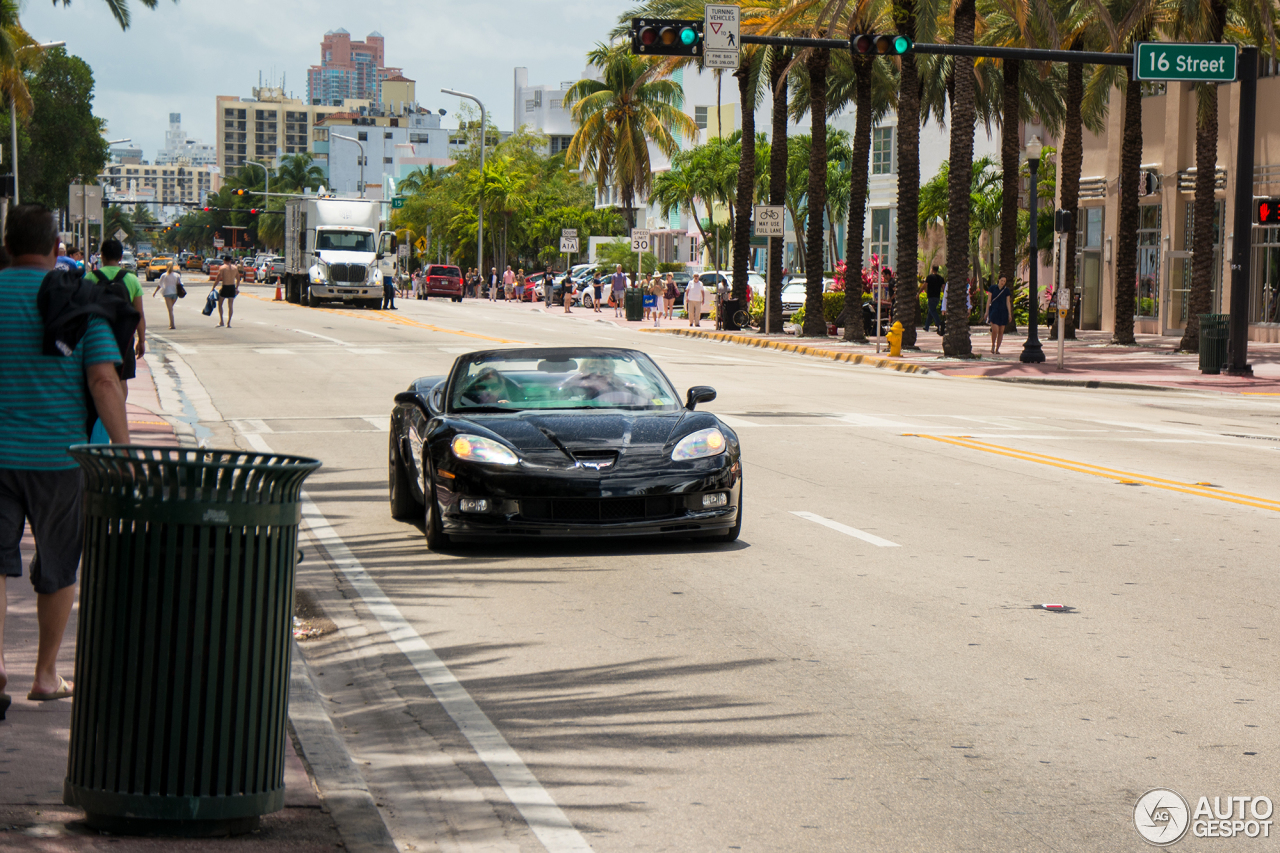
487 388
596 380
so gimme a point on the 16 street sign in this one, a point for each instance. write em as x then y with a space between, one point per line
1196 63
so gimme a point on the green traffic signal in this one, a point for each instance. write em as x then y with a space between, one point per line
880 45
689 36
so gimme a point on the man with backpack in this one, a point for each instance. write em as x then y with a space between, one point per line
125 284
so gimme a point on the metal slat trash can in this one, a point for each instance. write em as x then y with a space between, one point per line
182 651
634 304
1213 342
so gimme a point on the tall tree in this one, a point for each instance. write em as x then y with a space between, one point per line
65 138
748 75
857 219
906 296
617 118
956 342
119 9
779 61
815 323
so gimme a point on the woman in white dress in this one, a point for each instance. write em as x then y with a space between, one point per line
168 286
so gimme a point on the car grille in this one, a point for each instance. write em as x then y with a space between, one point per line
599 510
348 272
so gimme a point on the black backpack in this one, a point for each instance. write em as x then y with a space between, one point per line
68 300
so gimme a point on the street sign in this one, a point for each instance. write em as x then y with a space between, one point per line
639 239
770 220
397 202
218 242
1197 63
569 245
569 232
402 251
720 27
421 245
1267 211
721 58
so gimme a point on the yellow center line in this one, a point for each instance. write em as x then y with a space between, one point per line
388 317
1108 473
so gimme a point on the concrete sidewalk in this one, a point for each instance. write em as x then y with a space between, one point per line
34 737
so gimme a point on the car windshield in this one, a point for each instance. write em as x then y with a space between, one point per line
560 380
346 241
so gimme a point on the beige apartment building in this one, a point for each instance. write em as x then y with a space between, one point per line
1165 228
269 126
170 184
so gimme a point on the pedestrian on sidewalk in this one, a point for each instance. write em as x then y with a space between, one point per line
493 284
999 311
618 291
597 287
43 411
658 291
112 274
229 278
169 284
694 296
669 297
388 295
548 287
570 292
934 284
509 284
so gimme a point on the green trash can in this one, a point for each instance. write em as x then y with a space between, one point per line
634 302
182 651
1213 342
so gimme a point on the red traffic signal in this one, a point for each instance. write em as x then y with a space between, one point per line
1267 210
253 211
880 45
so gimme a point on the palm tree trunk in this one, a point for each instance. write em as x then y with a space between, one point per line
857 219
629 203
1009 164
1127 226
746 179
1072 161
956 342
815 321
907 307
778 61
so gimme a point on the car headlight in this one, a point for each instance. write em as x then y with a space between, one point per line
473 448
696 445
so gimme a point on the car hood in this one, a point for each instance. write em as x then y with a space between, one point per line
637 438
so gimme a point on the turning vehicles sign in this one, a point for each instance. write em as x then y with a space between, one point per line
720 37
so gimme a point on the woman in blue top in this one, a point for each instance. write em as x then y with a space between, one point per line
998 312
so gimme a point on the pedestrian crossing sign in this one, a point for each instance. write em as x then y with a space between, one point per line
421 245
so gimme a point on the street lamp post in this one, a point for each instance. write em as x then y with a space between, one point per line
13 120
1032 352
480 214
357 142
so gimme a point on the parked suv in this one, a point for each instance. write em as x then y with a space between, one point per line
443 280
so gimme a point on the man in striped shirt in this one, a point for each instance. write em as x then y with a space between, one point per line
43 411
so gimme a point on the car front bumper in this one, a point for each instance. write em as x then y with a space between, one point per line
346 293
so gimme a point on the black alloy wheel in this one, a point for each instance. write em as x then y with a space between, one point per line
437 539
404 505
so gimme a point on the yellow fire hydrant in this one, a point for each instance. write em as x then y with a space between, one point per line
895 340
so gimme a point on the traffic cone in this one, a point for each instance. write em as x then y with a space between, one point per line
279 297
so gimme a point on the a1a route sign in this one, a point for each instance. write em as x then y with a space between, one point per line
569 245
1194 63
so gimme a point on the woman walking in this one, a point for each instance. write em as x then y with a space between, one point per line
168 286
597 287
669 297
998 313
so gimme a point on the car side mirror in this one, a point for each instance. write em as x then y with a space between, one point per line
699 394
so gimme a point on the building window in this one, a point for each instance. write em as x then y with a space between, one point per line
1148 297
880 247
1264 292
700 117
882 151
320 134
386 134
419 138
362 135
386 160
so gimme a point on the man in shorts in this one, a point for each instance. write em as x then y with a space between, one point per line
229 278
43 411
112 254
618 290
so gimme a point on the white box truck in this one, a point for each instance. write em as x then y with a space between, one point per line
336 251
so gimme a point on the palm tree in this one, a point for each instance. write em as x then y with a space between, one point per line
119 9
956 342
779 61
116 221
619 116
748 78
860 156
816 64
678 189
298 172
417 180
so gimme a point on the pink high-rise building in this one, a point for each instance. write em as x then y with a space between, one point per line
348 69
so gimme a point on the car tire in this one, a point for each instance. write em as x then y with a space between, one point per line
312 302
404 505
732 534
437 539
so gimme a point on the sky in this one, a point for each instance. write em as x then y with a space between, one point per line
180 56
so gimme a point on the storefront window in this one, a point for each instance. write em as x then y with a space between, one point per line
1148 298
1264 290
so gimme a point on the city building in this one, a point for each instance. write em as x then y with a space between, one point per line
348 70
179 149
126 154
1166 214
541 108
168 189
270 125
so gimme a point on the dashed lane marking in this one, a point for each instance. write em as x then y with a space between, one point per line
846 529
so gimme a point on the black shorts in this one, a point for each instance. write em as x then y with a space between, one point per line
50 501
128 366
227 291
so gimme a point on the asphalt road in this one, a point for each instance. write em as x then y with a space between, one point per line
868 668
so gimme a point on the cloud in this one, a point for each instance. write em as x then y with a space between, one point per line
180 56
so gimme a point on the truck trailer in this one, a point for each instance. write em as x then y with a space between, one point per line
336 250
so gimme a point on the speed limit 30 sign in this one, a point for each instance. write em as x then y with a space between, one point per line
639 239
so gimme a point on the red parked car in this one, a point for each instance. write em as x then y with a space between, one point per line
442 280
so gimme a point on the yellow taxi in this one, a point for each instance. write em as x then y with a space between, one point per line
158 266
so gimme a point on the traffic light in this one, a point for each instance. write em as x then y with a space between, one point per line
881 45
239 192
666 37
253 211
1268 210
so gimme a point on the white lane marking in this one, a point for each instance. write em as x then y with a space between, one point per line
548 822
180 349
846 529
274 351
873 421
250 426
368 351
1154 428
382 422
740 423
323 337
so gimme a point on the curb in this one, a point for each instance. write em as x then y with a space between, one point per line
337 779
799 349
1081 383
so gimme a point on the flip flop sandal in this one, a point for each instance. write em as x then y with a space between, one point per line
64 691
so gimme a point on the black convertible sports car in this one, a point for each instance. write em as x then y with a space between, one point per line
561 442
